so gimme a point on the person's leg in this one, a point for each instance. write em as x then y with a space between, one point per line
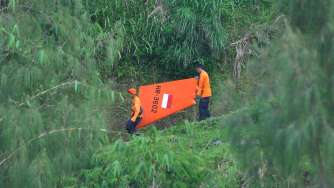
130 127
138 120
201 110
208 114
204 109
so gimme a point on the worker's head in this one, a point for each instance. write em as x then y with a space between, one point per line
199 68
132 91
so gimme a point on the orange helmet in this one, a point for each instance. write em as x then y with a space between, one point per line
132 91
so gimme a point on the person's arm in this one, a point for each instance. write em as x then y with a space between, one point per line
136 111
200 85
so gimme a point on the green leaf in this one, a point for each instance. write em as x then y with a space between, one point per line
11 41
41 57
76 86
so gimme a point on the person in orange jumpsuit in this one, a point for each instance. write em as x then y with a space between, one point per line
203 92
136 112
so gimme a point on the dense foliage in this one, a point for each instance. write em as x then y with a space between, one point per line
189 155
61 62
287 135
49 84
56 59
166 36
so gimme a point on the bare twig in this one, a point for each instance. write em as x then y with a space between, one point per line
48 90
242 40
157 9
278 19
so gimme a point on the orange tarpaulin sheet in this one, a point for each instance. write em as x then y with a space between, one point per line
164 99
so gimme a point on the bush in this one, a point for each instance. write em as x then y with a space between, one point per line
50 87
185 156
285 138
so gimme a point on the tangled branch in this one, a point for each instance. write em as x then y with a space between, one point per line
243 51
243 45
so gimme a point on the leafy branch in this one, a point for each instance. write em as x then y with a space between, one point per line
51 132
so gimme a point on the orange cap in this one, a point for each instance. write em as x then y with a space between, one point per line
132 91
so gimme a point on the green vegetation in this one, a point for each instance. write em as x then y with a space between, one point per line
182 156
288 134
49 81
65 64
165 37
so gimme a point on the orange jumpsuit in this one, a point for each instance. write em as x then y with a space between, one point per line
203 87
204 92
136 108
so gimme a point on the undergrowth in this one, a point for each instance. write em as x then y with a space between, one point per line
186 155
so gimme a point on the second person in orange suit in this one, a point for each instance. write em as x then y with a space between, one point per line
203 92
136 112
